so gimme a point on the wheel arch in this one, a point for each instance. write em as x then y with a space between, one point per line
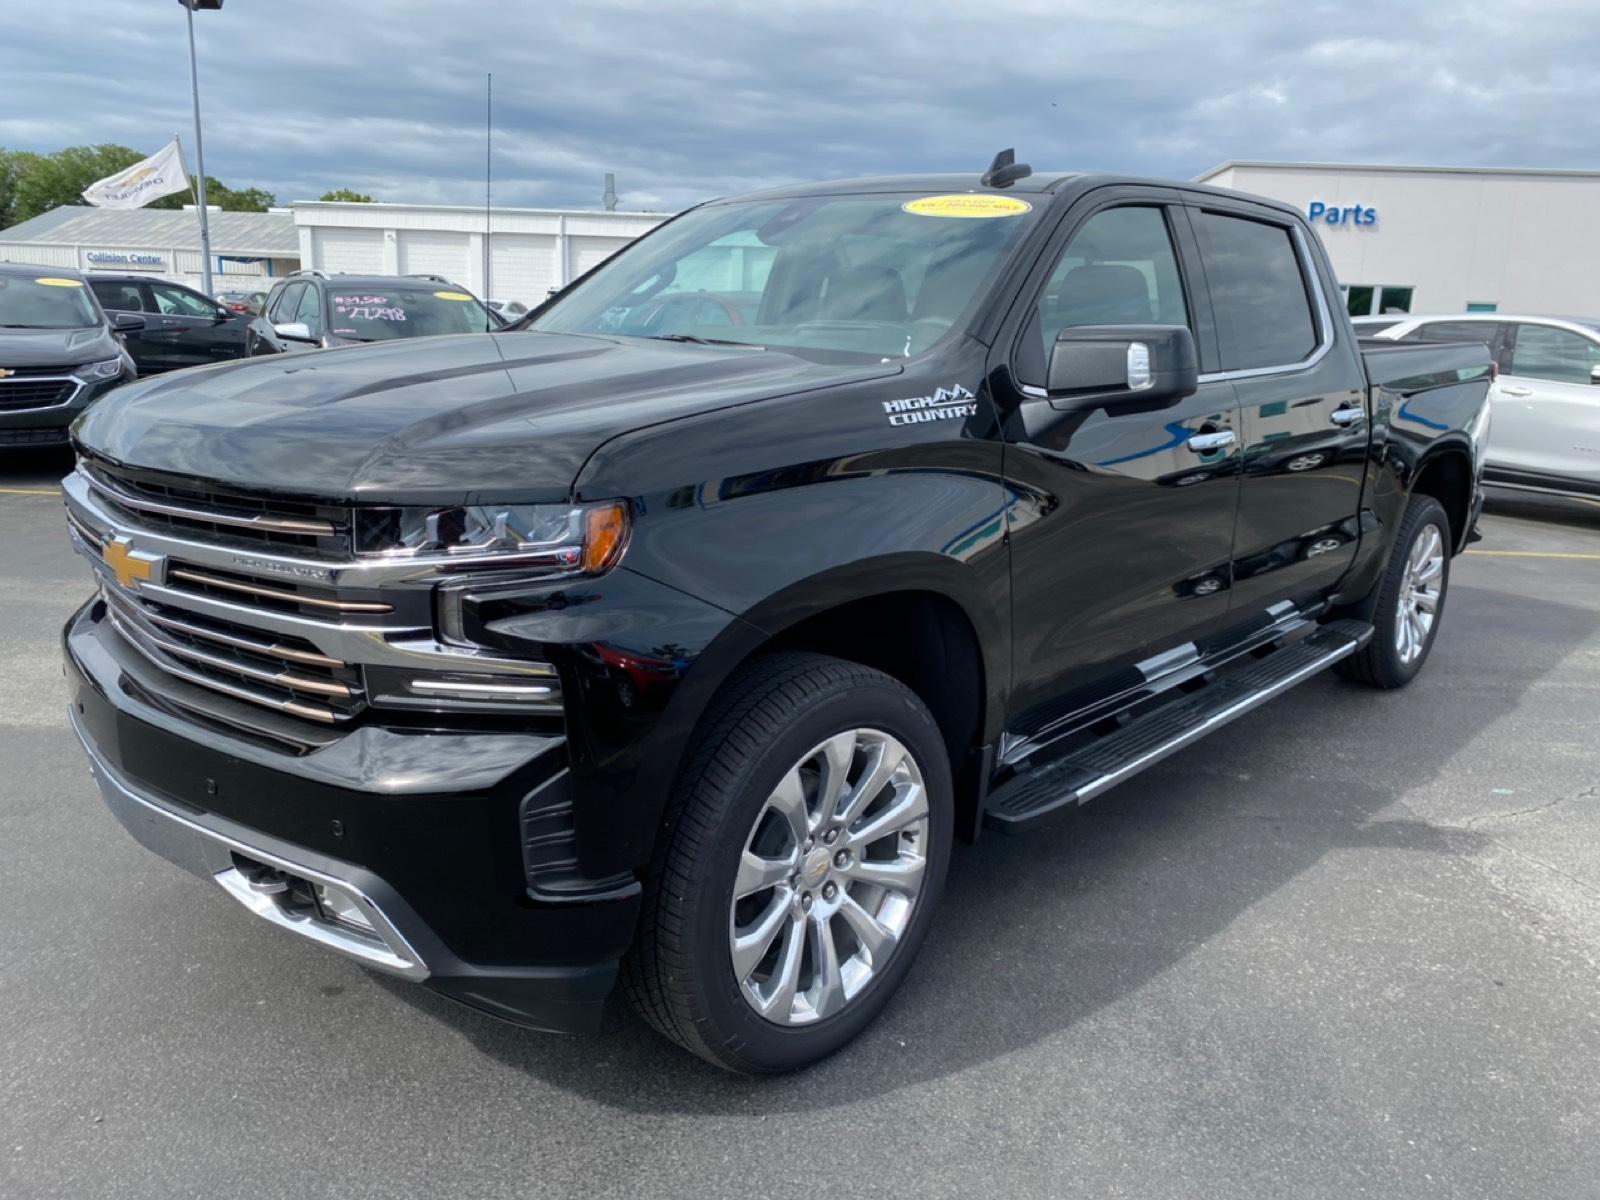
1446 474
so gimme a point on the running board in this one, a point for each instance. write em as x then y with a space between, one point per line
1088 770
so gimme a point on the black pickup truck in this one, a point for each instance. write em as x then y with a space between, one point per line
587 652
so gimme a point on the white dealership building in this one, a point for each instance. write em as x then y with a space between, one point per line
531 250
1444 239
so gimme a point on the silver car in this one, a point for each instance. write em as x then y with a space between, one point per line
1546 403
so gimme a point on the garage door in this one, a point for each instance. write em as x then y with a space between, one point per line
589 252
434 252
353 251
523 267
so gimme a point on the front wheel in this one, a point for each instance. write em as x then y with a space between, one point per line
804 851
1409 602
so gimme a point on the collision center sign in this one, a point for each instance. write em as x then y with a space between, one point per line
130 259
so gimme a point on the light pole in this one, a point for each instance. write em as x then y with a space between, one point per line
199 148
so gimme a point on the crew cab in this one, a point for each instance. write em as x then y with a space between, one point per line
526 663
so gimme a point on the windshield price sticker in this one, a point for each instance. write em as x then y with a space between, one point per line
451 296
368 308
58 282
967 206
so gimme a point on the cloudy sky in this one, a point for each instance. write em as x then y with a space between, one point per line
686 99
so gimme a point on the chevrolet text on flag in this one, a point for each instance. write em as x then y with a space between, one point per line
159 175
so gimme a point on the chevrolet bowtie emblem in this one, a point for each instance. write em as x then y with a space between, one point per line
6 373
130 566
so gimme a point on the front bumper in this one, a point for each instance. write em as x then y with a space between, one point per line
436 876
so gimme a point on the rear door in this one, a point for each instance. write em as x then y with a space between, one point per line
1302 404
1547 405
1121 522
131 296
194 330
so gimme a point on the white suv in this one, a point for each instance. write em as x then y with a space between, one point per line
1546 402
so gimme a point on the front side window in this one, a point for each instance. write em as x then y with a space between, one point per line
1559 355
180 302
45 302
828 277
1258 292
310 311
1120 268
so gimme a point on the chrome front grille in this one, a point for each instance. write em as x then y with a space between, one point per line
291 677
280 647
226 516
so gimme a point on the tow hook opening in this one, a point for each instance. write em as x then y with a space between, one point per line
306 899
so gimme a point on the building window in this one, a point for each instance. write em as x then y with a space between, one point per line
1482 306
1371 300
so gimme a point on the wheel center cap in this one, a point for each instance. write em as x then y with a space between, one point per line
816 866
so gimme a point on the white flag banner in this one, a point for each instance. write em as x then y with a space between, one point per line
159 175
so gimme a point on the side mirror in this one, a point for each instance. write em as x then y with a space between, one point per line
1110 366
295 331
126 322
1594 374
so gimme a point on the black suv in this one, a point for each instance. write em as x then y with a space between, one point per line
58 352
181 327
312 310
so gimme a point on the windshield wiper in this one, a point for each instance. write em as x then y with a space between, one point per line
700 341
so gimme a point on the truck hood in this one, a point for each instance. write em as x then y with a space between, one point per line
56 347
472 418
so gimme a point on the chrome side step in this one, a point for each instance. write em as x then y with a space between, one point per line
1103 762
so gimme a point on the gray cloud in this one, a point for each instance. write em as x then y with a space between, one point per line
693 99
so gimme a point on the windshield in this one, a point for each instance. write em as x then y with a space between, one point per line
881 276
45 303
375 314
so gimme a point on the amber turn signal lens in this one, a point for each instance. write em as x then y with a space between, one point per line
605 529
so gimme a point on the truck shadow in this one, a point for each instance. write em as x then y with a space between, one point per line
1036 934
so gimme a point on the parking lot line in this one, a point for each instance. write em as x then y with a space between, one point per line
1534 554
5 491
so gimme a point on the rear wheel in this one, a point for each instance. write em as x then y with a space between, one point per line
1409 602
803 854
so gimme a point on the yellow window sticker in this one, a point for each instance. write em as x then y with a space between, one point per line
967 206
59 282
452 296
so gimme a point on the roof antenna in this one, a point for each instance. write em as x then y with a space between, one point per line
1005 170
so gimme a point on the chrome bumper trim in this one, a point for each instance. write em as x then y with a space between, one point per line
202 851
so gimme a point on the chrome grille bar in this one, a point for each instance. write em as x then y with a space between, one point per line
238 642
214 516
188 575
312 712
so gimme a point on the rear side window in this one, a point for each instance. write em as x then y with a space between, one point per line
281 311
123 297
1258 292
1559 355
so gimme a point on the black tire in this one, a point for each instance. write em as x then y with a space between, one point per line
1379 663
679 974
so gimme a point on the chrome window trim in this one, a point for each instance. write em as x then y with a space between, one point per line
71 396
1320 311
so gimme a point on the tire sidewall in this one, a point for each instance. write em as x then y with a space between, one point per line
760 1044
1422 512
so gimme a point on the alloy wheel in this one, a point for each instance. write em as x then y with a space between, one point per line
1420 591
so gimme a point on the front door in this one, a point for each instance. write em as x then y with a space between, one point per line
190 329
1302 406
1121 523
1546 406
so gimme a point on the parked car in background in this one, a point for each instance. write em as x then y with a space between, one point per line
312 310
1546 402
242 302
507 308
180 327
59 352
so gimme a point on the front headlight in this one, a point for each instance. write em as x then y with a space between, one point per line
89 372
560 539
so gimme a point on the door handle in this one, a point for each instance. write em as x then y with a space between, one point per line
1346 416
1515 391
1204 443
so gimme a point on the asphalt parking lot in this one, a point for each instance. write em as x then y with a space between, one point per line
1347 947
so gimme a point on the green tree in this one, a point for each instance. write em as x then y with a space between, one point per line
31 184
348 196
